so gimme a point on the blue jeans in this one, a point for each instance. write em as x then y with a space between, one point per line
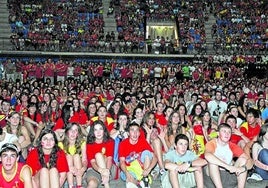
263 157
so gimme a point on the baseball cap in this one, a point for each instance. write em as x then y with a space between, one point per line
9 146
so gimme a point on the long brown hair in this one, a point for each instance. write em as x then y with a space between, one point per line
78 142
8 126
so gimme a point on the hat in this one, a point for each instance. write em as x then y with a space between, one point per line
9 146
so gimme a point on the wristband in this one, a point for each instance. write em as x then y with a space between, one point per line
245 167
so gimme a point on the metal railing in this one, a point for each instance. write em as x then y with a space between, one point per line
6 47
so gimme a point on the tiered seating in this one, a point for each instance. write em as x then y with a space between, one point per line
162 10
191 18
130 25
57 25
242 26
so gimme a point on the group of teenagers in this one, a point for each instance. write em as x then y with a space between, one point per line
86 135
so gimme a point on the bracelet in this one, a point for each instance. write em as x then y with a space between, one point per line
190 163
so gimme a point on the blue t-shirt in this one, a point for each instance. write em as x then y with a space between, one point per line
174 157
264 114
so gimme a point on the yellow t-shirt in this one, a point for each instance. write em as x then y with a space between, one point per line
71 149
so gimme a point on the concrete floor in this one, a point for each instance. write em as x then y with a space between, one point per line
157 184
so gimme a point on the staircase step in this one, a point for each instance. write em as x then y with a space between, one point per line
5 43
208 25
5 30
110 24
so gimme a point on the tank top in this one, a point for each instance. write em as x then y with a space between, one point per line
16 181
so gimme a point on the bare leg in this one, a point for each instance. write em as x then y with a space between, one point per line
37 133
101 161
54 178
70 176
157 146
36 180
30 128
78 165
199 177
214 174
44 178
92 182
247 148
147 162
241 178
173 177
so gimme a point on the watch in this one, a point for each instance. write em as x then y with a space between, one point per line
190 163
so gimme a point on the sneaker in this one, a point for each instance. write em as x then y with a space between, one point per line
162 171
154 174
144 183
131 185
254 178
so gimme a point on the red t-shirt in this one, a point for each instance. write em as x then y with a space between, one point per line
36 118
107 149
33 161
124 73
79 117
59 124
99 72
129 73
125 147
250 131
55 116
195 75
77 70
61 69
235 138
252 95
21 109
49 69
31 69
38 72
161 119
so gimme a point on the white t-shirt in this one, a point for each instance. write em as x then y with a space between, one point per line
216 108
224 153
157 72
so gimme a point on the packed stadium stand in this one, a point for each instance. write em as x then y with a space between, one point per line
229 27
229 35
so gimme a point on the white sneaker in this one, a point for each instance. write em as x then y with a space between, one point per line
131 185
162 171
254 177
154 174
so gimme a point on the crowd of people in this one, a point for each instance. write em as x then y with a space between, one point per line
239 29
188 124
56 25
79 26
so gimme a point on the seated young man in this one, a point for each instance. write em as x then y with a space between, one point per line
220 153
133 151
250 129
180 161
13 173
